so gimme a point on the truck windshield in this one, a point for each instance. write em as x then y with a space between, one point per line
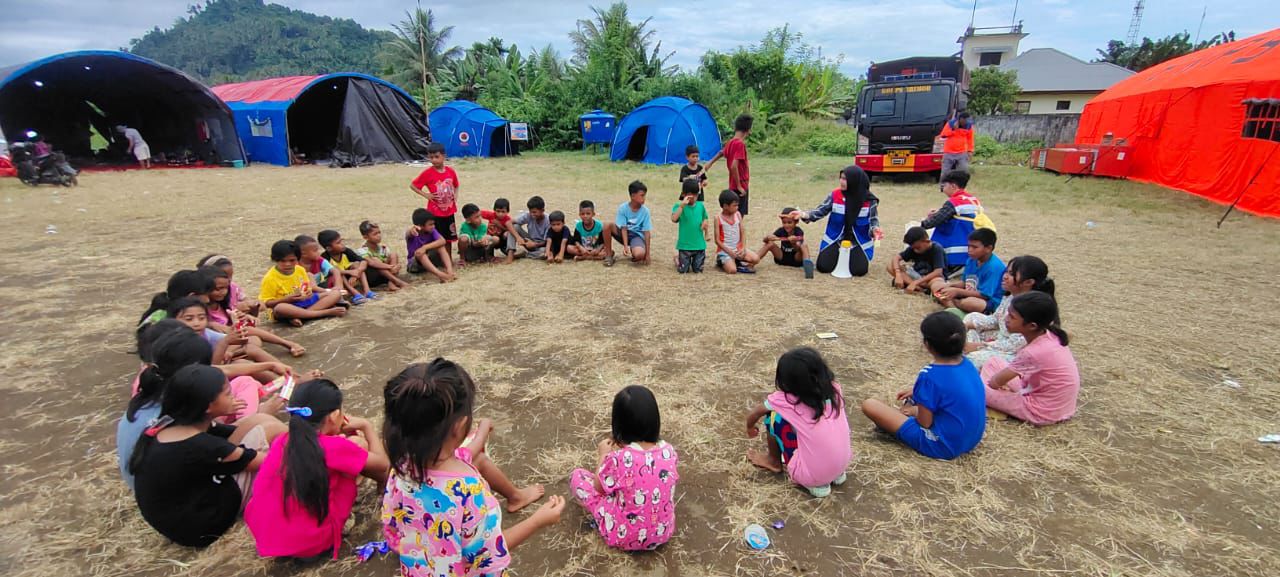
926 103
882 107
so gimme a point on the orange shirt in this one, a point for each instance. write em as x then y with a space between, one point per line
959 140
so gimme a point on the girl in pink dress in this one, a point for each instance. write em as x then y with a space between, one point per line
807 427
1042 383
632 495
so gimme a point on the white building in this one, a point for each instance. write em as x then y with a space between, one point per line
1052 81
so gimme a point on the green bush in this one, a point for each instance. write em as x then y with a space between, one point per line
986 149
794 135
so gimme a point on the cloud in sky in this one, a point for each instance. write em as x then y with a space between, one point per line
859 30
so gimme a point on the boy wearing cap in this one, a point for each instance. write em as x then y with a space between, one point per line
787 245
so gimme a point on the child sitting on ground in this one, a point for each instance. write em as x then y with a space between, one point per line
307 484
631 496
808 430
287 291
502 228
426 247
383 264
732 255
988 335
978 289
787 245
349 265
943 416
691 239
558 238
531 229
919 264
224 318
181 284
1042 383
440 478
228 348
691 170
237 300
191 474
320 269
632 229
588 234
475 244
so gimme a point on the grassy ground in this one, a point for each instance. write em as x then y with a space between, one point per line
1158 475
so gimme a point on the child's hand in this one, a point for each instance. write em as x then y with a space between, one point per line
903 394
910 410
877 233
798 214
549 513
239 405
271 405
484 427
354 425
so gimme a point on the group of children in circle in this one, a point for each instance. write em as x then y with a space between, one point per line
201 440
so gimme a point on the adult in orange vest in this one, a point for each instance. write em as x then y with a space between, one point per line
957 148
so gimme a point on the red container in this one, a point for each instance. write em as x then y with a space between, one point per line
1113 161
1069 161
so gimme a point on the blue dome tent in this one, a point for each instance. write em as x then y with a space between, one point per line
67 97
658 131
468 129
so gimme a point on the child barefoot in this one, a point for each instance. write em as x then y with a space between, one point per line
807 426
438 513
989 336
732 254
236 299
1042 383
307 485
427 249
192 475
384 265
632 495
944 415
287 291
224 318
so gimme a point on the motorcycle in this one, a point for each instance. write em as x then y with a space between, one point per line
51 168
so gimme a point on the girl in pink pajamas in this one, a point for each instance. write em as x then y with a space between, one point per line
632 495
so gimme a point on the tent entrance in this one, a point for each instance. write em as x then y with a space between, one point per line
500 142
314 120
637 145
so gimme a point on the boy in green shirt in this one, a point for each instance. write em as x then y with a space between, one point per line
474 242
691 241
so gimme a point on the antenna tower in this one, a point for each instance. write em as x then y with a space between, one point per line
1135 23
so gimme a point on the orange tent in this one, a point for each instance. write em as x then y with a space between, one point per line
1207 123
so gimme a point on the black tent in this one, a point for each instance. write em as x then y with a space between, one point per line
69 96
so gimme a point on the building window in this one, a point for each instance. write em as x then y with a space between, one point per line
1022 107
1262 120
989 59
1064 105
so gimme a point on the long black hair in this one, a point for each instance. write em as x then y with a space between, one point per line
635 416
214 273
422 404
802 373
944 333
187 397
1031 268
176 306
1040 308
172 346
306 478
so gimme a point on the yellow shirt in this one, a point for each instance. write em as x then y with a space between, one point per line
276 285
340 263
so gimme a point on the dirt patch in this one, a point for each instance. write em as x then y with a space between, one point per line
1158 475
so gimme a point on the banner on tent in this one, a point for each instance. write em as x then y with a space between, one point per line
260 127
520 131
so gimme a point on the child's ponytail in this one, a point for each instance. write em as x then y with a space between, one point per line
422 404
165 347
1040 308
187 397
1034 269
306 477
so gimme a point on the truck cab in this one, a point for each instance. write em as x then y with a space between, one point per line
901 110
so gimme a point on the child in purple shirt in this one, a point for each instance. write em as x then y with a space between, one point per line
427 252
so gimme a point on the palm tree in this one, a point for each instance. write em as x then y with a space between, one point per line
419 53
612 35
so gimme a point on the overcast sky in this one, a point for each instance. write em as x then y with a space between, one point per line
860 30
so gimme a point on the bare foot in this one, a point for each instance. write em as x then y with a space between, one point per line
295 323
338 311
524 497
297 350
392 287
763 460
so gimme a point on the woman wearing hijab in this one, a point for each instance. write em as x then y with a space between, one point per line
862 230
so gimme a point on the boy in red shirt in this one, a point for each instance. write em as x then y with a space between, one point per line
735 157
439 185
501 226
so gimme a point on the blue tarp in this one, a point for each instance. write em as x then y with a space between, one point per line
468 129
658 131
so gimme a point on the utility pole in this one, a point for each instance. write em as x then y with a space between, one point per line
1135 23
1203 13
422 53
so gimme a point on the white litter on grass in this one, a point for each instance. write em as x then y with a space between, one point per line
51 229
82 210
1269 439
1230 383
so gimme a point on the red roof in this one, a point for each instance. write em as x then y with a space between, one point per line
271 90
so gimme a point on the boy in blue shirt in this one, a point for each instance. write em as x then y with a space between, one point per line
632 228
945 414
978 289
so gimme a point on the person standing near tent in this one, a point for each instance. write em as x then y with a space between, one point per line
957 146
735 157
137 146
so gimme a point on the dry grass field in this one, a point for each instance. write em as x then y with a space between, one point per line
1173 323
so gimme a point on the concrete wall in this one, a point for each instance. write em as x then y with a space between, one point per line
1047 102
1048 128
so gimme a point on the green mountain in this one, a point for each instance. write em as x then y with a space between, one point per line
233 40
